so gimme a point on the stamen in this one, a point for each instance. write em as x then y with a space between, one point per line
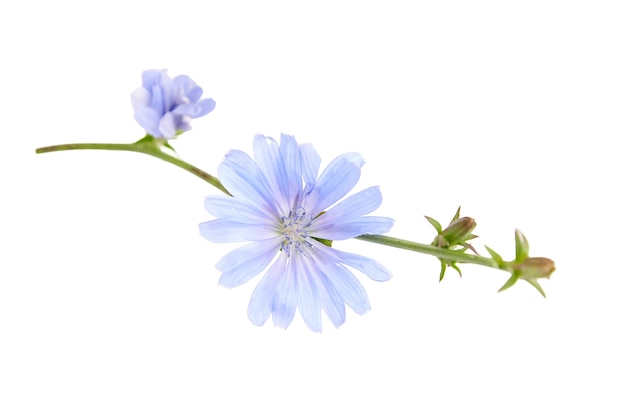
294 229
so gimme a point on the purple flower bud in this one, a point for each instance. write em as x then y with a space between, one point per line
165 106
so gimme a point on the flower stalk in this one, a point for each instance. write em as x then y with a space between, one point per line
456 234
147 145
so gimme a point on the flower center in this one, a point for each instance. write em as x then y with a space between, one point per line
294 229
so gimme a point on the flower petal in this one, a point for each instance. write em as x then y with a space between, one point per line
368 225
368 266
225 231
348 287
332 303
285 298
336 180
246 262
242 177
261 301
229 208
308 298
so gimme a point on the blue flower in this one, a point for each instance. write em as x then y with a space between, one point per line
165 106
284 209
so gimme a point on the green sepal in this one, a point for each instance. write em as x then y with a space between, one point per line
496 257
443 270
435 224
535 284
521 246
326 242
510 282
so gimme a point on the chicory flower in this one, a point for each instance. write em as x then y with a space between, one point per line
164 106
289 215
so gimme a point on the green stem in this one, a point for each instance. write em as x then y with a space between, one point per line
441 253
148 146
151 146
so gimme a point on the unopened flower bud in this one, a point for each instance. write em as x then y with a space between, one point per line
457 233
533 268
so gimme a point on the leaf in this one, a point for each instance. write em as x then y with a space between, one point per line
510 282
521 246
535 284
435 224
495 256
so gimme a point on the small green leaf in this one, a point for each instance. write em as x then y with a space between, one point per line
326 242
510 282
495 256
443 271
435 224
457 215
521 246
456 268
535 284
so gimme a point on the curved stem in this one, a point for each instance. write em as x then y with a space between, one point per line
151 146
148 147
441 253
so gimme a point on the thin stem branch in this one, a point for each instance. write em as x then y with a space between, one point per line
148 147
445 254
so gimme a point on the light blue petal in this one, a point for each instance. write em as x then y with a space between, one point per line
152 77
291 161
229 208
310 161
242 177
367 225
167 126
348 287
336 181
285 298
246 262
260 306
149 119
332 303
205 106
353 207
140 98
307 275
371 268
267 156
226 231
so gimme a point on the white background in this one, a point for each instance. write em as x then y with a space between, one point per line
109 303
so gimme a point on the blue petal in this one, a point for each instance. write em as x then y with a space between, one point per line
229 208
140 98
242 177
336 180
356 205
226 231
246 262
367 225
153 77
291 161
260 306
285 300
371 268
267 157
206 106
167 126
307 274
149 119
332 303
310 161
348 287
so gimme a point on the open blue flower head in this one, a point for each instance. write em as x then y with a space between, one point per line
282 208
165 106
